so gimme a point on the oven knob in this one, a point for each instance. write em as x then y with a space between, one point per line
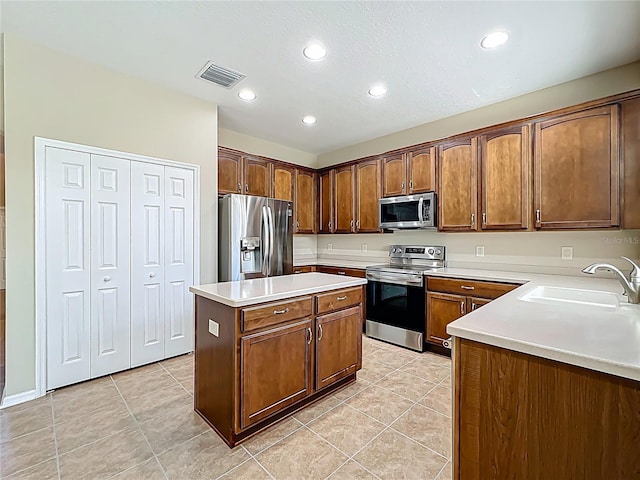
430 251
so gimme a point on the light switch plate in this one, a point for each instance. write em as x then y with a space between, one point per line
329 246
214 328
479 250
364 247
567 253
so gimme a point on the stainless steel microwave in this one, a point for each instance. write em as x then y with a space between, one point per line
408 211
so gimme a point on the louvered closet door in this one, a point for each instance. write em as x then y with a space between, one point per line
147 263
68 266
179 316
110 258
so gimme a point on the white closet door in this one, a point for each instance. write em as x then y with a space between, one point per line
147 263
68 266
3 250
179 319
110 258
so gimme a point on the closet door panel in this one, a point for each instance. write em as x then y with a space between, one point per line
179 184
68 266
110 269
147 263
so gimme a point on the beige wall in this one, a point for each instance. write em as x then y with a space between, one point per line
84 103
593 87
258 146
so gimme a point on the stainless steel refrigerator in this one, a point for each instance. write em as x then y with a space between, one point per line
255 237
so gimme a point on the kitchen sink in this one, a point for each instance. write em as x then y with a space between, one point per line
575 296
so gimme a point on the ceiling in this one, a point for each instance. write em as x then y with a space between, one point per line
427 53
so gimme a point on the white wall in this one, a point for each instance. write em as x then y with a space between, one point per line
258 146
49 94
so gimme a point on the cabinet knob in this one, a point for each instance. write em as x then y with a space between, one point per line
319 332
342 298
239 187
402 186
484 218
473 219
280 312
246 187
358 224
538 216
329 225
464 287
462 308
310 335
411 184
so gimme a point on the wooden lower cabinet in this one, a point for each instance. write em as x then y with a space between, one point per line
258 364
522 417
449 299
338 341
275 370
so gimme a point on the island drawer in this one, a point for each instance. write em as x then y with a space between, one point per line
338 299
473 288
254 318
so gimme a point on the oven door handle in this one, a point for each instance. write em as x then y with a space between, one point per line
396 279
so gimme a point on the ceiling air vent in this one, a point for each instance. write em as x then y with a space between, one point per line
219 75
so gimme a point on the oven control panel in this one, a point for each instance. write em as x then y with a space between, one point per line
424 252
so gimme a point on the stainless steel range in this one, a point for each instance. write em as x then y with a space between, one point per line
396 300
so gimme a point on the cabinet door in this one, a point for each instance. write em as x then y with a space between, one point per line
344 199
504 169
576 170
368 193
257 176
394 175
421 165
474 303
229 172
457 195
442 309
282 181
338 343
326 214
275 370
305 201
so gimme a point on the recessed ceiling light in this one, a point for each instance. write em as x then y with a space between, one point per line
309 120
494 40
378 91
247 95
314 51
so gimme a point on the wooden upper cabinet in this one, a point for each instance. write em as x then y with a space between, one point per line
576 174
338 340
457 192
421 168
505 163
368 193
305 201
325 203
631 155
344 199
229 172
275 370
257 176
394 175
282 177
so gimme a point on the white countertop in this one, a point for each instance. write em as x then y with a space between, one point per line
598 338
259 290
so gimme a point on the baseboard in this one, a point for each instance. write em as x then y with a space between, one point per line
17 398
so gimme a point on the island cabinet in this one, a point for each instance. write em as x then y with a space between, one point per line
450 298
524 417
257 364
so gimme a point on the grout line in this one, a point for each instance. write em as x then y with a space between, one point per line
177 381
252 457
139 428
55 438
274 443
442 470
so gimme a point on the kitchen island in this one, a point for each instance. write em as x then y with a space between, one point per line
266 348
547 382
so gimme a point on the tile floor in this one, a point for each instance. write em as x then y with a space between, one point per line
393 423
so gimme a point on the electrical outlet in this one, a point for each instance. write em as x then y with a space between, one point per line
329 246
567 253
214 328
479 250
363 247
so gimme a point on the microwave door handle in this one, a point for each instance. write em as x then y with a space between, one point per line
420 210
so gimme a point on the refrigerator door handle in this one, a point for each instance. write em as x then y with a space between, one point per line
266 240
271 237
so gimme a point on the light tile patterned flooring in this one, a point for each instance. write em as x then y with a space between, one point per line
394 422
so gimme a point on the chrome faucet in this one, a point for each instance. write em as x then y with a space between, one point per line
631 286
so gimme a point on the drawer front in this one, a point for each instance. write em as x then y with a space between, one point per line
471 288
254 318
349 272
304 269
338 299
